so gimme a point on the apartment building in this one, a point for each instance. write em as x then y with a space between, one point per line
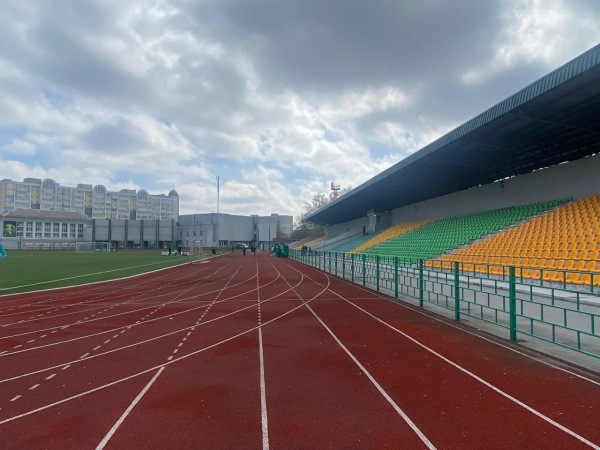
95 202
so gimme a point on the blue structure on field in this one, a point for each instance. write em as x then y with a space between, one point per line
2 251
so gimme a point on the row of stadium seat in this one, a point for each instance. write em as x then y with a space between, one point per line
390 233
565 239
440 236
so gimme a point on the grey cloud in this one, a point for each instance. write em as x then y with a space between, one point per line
113 139
319 45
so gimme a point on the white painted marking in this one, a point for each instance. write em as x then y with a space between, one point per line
17 346
263 394
84 355
175 351
170 358
29 342
180 344
402 414
15 398
66 367
107 341
115 335
97 347
112 431
481 380
33 387
49 377
2 353
43 336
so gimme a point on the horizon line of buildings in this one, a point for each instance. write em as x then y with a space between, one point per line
41 214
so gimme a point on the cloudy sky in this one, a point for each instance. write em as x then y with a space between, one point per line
277 97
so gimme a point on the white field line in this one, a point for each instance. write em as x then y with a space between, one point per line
151 369
103 294
382 391
478 378
147 340
263 395
261 357
431 315
87 275
117 315
135 401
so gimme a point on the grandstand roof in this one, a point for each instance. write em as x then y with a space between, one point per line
551 121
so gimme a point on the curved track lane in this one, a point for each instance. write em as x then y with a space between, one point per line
251 352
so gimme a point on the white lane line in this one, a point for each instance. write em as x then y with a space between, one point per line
402 414
33 387
481 380
175 361
2 353
49 377
170 358
263 385
15 398
106 342
263 395
84 355
66 367
97 347
128 410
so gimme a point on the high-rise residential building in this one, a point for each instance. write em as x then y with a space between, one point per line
95 202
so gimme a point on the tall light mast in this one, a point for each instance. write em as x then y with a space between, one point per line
217 226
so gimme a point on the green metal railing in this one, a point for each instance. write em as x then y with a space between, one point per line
557 312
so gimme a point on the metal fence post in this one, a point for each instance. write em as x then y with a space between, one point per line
364 268
512 303
377 271
396 276
352 267
421 283
344 265
456 292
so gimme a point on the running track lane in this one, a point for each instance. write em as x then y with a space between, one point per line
340 364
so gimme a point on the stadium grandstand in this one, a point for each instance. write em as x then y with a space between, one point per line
498 220
524 171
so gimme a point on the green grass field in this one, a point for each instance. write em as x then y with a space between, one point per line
25 271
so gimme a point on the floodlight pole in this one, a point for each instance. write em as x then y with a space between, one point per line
217 227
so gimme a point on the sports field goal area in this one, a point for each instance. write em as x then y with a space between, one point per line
197 253
92 247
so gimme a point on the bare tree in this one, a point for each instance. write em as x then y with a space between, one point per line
305 228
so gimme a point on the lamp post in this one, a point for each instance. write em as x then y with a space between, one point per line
217 225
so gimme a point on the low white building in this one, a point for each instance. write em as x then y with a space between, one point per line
223 230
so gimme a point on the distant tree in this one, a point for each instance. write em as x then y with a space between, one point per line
305 228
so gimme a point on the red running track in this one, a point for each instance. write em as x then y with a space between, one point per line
262 352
